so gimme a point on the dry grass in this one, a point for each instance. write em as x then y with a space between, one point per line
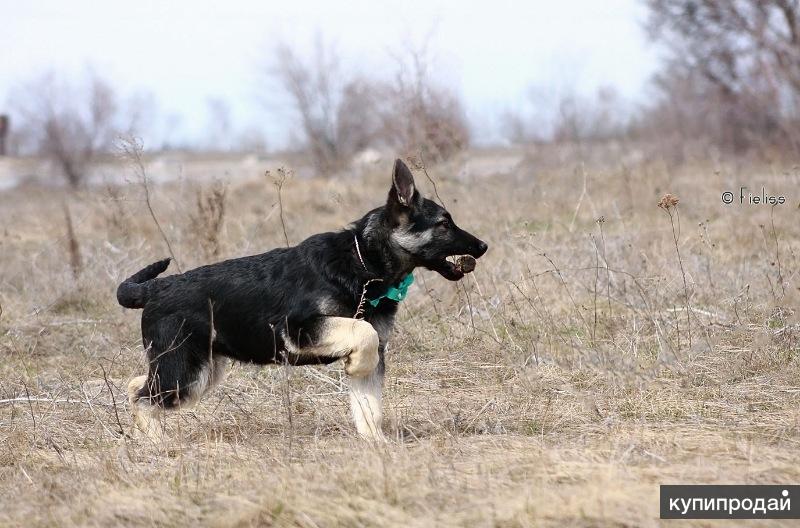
554 386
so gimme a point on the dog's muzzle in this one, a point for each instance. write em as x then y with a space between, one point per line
450 270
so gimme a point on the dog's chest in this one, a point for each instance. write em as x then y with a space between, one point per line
383 323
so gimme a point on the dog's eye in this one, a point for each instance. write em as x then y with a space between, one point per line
443 223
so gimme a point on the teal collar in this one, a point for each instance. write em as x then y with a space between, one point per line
397 292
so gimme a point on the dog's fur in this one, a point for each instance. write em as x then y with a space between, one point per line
301 305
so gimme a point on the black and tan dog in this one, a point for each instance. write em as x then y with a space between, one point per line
333 296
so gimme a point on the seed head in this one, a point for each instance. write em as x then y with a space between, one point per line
667 201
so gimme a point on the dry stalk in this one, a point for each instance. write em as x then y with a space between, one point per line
777 250
113 401
667 203
75 259
486 307
419 163
594 289
30 407
563 282
287 401
278 181
600 222
132 150
580 202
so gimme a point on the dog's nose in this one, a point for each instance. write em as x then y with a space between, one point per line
482 247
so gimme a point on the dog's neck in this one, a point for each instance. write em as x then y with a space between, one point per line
375 252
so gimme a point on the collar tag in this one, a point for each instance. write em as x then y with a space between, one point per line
397 292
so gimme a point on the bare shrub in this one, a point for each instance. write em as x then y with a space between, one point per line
359 121
596 119
568 117
420 115
314 88
208 218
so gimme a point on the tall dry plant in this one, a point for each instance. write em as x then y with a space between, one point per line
279 180
133 151
669 204
208 218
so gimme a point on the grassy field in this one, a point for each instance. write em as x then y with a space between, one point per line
604 345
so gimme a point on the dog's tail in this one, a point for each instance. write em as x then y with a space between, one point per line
133 291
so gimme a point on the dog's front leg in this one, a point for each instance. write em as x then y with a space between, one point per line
365 400
358 344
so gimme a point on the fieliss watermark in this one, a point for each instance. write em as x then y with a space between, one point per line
729 502
747 197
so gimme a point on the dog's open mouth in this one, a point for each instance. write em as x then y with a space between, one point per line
455 270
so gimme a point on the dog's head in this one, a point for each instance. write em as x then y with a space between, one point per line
425 230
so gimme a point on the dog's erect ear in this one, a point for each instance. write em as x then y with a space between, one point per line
402 184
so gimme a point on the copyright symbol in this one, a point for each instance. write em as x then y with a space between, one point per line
727 197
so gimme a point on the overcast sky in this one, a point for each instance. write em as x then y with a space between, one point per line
186 52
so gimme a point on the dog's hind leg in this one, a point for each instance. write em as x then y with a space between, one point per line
181 371
357 342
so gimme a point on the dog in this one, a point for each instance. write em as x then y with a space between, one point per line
333 296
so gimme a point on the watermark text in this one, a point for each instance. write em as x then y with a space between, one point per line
730 502
746 196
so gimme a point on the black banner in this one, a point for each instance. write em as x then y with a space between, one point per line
730 502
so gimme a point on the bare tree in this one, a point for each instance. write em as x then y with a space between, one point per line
564 116
342 114
733 74
314 89
69 124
